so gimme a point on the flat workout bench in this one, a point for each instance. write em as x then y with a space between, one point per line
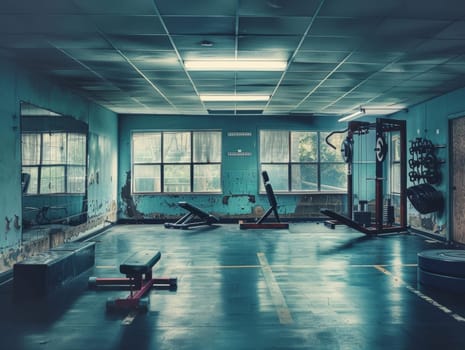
138 271
203 218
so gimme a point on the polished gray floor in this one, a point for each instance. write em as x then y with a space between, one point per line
308 287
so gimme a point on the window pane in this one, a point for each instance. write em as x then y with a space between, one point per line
33 181
207 147
207 178
304 177
274 146
30 149
52 179
76 179
395 178
327 153
147 178
146 147
77 149
278 176
176 178
176 147
304 146
54 148
333 177
363 180
395 146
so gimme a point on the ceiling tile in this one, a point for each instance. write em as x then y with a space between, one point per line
123 7
141 42
273 25
197 7
330 43
128 25
268 43
277 7
192 25
320 56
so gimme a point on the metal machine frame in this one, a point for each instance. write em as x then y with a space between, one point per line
381 126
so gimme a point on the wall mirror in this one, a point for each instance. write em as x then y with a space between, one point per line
53 170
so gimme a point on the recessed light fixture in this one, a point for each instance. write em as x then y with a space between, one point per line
235 65
233 98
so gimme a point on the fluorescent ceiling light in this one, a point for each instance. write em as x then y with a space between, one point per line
235 65
234 98
353 116
383 110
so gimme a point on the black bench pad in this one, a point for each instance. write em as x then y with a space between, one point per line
199 212
140 263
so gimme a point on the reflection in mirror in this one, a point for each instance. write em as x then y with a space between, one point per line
53 173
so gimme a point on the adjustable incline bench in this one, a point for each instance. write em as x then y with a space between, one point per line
203 218
273 209
138 271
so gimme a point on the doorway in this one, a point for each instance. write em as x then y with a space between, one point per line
457 133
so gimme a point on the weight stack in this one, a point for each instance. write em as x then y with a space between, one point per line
442 269
363 218
388 215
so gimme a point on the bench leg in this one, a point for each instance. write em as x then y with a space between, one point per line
133 301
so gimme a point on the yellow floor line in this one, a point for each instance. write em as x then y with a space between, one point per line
276 266
277 297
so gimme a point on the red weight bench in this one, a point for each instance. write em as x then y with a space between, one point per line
139 280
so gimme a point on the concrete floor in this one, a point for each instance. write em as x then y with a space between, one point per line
308 287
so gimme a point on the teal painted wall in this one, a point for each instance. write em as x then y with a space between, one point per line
430 120
240 175
16 85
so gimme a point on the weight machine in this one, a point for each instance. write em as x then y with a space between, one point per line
383 221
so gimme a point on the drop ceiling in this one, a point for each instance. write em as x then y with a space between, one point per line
341 55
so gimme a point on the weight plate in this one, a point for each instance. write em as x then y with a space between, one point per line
381 149
443 282
450 262
346 150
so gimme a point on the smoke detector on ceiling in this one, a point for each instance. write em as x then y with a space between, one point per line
206 43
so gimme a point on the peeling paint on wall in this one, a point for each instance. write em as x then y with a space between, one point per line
130 209
50 238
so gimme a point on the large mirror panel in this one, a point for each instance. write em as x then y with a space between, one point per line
53 170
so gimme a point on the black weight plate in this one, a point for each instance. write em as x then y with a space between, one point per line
447 283
381 149
346 151
449 262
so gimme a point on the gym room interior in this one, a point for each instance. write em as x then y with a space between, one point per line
232 174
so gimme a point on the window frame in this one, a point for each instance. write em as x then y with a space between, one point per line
163 165
42 165
318 163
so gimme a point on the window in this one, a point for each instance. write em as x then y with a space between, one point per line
176 161
301 161
55 161
394 178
